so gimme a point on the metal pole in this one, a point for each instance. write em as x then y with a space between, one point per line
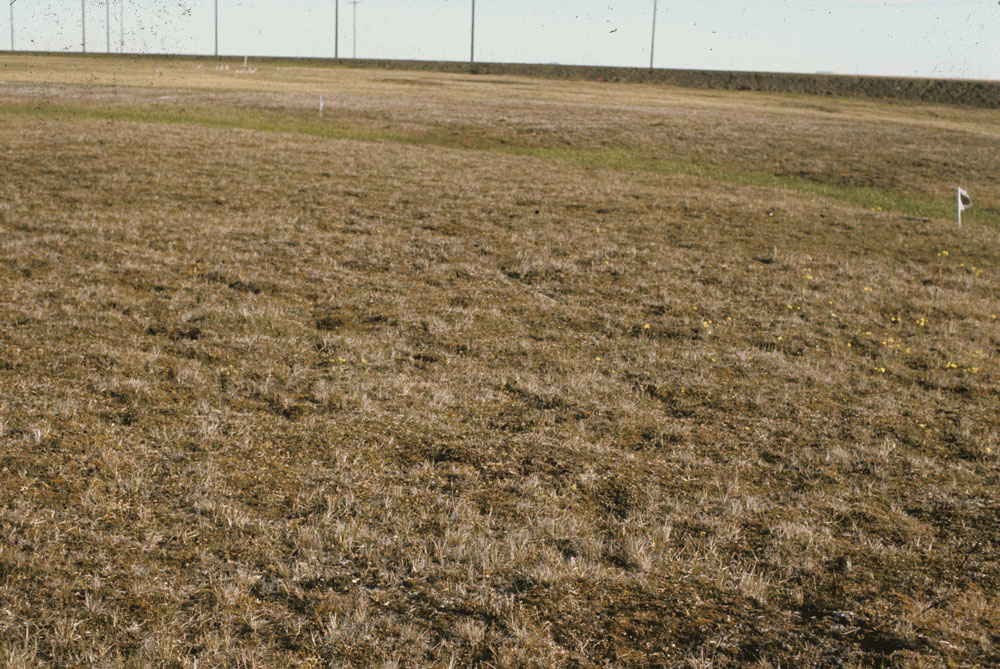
472 40
652 46
12 24
83 24
354 39
336 29
216 27
107 21
121 25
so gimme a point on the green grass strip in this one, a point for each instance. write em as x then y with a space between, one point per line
602 158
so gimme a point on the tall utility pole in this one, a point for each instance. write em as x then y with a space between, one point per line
12 24
354 39
83 24
336 29
216 27
472 38
121 26
107 21
652 46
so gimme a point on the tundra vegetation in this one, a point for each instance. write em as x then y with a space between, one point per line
491 370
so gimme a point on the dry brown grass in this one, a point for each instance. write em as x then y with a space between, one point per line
280 399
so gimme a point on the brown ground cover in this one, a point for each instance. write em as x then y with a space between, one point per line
521 373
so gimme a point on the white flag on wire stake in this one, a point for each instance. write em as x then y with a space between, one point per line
964 202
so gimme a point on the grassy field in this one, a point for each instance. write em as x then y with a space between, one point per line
491 371
964 92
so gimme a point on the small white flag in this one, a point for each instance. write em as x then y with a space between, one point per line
964 201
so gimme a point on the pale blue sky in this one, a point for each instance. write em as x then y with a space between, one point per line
942 38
